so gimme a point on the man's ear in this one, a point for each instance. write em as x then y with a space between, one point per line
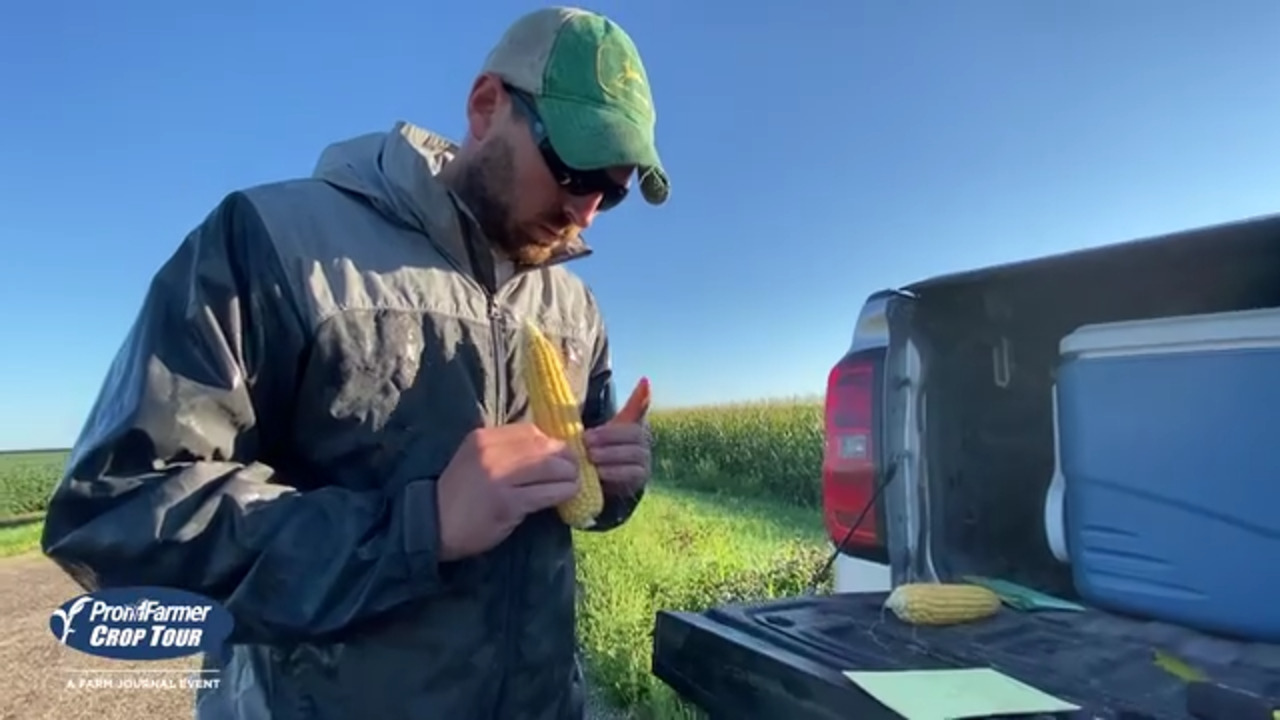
485 106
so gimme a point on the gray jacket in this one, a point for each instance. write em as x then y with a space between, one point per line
269 435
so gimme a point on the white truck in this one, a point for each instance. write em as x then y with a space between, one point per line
1102 427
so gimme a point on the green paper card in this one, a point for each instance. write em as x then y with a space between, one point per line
955 694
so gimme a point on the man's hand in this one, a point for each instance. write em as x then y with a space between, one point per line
620 449
497 477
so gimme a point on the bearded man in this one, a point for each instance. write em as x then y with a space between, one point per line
316 418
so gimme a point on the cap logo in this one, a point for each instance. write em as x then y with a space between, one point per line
618 76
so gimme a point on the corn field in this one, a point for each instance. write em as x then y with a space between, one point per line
770 450
26 479
767 450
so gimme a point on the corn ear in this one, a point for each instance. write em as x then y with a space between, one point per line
555 412
941 603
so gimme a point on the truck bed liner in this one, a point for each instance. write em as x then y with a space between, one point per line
782 659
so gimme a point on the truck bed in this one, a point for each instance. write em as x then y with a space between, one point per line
783 659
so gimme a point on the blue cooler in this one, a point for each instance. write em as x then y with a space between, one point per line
1170 452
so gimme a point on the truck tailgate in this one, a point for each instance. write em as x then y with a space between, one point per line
783 659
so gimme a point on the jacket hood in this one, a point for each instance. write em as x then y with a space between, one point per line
396 171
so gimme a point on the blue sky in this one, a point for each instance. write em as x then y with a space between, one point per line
818 151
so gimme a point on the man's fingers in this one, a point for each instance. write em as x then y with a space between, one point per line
637 405
546 470
623 479
616 434
532 498
632 454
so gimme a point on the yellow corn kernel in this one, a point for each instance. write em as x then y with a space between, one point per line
941 603
555 412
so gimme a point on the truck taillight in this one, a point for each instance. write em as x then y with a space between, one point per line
849 459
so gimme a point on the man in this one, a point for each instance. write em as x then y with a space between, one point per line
317 418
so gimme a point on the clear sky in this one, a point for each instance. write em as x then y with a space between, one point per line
819 151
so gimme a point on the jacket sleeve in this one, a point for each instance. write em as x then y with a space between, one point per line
172 482
600 407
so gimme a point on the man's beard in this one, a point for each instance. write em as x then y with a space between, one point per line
487 185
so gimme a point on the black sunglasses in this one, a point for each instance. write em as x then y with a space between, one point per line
574 181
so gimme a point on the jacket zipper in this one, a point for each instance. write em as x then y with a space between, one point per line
496 326
498 416
514 551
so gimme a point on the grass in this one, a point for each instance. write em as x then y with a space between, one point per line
732 515
683 550
20 538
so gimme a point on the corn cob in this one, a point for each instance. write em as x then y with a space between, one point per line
555 412
941 603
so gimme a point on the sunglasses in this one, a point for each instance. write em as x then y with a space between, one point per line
574 181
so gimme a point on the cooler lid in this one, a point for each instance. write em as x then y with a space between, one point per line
1183 333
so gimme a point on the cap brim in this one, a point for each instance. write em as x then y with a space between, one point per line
590 137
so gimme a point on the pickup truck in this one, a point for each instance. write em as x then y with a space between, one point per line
940 426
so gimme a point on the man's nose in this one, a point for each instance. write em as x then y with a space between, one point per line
582 209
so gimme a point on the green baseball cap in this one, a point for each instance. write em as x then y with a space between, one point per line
588 84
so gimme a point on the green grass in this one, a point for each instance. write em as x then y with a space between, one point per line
683 550
769 449
733 515
20 538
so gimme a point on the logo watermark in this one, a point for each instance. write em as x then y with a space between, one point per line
141 623
189 680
